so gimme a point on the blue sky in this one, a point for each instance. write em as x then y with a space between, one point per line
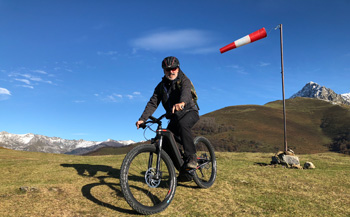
85 69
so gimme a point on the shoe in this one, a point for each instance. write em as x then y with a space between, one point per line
184 177
192 161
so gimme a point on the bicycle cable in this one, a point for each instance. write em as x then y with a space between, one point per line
148 127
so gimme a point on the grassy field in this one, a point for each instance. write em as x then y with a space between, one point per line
64 185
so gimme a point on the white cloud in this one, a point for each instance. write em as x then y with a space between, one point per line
115 97
79 101
239 69
40 72
26 81
263 64
32 77
111 98
28 78
173 40
4 91
27 86
107 53
118 95
4 94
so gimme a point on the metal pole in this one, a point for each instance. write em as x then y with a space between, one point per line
284 101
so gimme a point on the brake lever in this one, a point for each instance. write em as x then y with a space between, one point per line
143 125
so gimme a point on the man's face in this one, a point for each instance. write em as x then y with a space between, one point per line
171 74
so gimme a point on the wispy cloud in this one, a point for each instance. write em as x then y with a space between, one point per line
79 101
4 94
27 86
263 64
26 81
175 40
116 97
106 53
238 69
130 96
4 91
30 78
40 72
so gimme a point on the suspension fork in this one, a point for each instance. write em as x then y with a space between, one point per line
159 151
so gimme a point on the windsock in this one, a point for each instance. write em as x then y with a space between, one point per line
261 33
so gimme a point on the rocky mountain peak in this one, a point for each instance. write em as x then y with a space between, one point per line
40 143
314 90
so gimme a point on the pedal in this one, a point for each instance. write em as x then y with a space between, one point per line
191 171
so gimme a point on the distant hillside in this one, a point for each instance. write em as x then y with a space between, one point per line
312 126
111 150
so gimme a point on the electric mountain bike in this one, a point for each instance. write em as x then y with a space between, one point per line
148 177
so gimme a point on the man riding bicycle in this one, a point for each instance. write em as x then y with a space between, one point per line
174 91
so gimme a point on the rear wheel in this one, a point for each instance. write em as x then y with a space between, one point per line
144 192
205 175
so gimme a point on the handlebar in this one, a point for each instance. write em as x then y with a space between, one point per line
152 120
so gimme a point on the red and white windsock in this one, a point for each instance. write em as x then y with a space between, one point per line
261 33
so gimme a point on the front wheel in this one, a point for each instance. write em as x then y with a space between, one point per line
143 190
205 174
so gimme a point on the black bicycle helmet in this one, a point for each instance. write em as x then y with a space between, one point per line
170 63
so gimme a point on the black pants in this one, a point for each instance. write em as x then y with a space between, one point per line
182 128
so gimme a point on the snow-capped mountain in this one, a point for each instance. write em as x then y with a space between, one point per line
39 143
346 96
314 90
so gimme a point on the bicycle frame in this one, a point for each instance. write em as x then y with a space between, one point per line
166 142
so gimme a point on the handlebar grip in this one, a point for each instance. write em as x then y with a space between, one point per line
143 125
153 118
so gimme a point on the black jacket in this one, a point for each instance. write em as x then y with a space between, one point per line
169 93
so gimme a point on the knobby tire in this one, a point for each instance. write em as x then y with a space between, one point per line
139 195
205 176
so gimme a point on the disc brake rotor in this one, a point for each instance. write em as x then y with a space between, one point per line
150 178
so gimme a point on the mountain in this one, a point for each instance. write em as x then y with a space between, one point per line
346 96
39 143
109 143
313 126
314 90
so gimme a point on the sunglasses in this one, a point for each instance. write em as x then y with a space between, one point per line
170 69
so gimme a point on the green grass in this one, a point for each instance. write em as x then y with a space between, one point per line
64 185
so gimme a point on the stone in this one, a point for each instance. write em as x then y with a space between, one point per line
290 160
290 152
309 165
28 189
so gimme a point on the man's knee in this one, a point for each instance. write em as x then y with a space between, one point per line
189 120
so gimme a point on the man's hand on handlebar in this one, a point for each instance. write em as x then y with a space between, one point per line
138 123
178 107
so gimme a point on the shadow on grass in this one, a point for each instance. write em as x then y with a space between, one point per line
90 171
